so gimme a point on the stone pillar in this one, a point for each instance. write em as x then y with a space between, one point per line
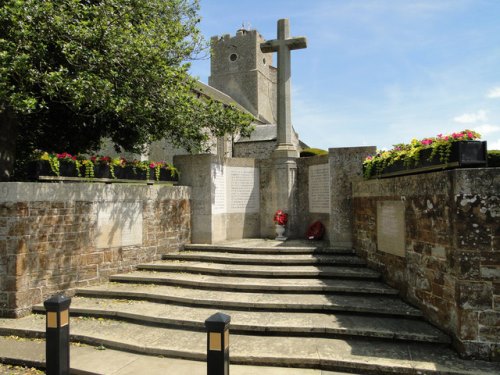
346 167
285 184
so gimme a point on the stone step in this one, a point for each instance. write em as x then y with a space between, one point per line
352 354
267 249
365 304
243 284
305 324
262 270
267 259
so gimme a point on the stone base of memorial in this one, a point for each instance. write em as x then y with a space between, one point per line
464 154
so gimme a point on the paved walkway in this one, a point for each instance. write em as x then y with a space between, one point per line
89 360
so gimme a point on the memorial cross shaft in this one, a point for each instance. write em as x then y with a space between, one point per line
283 45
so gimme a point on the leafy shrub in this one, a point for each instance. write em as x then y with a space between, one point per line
312 152
494 158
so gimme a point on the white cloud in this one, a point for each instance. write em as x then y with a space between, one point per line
494 93
494 145
486 129
471 118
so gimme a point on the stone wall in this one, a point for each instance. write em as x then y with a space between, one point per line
436 237
57 237
256 150
346 168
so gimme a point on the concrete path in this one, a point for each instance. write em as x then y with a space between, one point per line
90 360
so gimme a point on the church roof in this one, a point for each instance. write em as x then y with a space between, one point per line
219 96
266 132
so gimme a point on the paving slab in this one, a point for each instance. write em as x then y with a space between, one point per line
374 304
261 270
260 322
359 355
257 283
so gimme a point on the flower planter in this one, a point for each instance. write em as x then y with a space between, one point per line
463 154
102 171
280 232
38 168
131 173
165 175
68 169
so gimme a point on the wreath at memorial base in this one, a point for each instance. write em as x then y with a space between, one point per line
316 231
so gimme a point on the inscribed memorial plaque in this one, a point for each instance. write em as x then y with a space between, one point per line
119 224
319 188
243 189
391 227
218 189
235 189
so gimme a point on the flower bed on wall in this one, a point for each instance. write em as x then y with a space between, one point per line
462 149
46 164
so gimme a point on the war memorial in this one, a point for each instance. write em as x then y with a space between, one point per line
404 280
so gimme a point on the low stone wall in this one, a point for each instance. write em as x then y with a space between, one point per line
436 237
56 237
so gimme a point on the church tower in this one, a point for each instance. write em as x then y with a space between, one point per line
241 70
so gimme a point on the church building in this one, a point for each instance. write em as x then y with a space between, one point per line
240 74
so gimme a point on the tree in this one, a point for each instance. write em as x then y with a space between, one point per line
75 71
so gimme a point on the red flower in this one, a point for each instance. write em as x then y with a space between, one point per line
280 217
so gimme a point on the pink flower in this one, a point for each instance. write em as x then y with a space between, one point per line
426 142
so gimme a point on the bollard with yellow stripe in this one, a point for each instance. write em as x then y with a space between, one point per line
217 327
57 335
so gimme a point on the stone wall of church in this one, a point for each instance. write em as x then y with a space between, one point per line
436 238
58 237
255 150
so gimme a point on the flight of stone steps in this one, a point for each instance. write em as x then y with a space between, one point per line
291 306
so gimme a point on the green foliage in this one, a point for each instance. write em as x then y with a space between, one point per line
312 152
75 71
494 158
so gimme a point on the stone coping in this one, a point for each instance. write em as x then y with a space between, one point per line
57 192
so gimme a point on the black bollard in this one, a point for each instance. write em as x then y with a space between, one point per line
57 335
218 344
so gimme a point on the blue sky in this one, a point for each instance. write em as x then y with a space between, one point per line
380 72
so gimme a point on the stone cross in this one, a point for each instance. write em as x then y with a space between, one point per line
283 45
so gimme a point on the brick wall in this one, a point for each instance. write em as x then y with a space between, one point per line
450 263
49 236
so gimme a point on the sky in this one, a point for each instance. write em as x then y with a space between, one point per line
380 72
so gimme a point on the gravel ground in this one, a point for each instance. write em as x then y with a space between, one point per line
18 370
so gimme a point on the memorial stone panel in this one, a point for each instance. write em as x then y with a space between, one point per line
119 224
319 188
218 189
243 183
391 227
235 189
